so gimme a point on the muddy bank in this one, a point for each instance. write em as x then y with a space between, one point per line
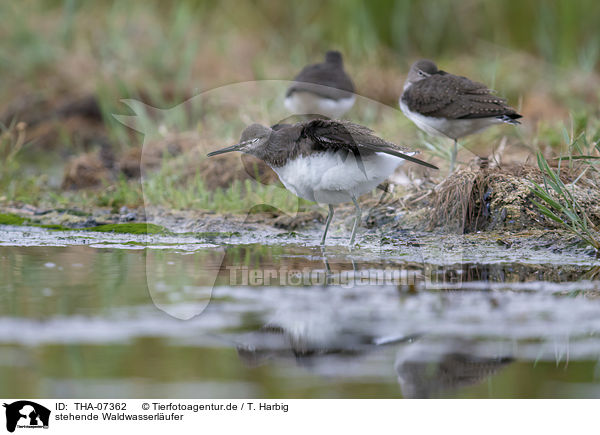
531 246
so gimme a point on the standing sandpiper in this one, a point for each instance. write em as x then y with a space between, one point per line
443 104
322 89
325 161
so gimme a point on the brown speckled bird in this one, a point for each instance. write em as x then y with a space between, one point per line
443 104
322 88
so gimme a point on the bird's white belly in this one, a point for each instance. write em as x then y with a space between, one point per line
332 178
308 103
452 128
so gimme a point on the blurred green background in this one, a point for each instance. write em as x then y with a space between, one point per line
170 41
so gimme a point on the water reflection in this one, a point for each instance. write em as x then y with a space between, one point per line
425 371
380 324
424 368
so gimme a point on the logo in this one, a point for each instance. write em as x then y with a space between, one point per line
26 414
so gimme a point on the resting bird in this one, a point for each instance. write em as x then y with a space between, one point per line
443 104
322 88
325 161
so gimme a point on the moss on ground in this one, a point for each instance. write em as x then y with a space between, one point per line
118 228
54 227
12 219
131 228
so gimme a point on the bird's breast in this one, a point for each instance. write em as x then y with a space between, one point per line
333 177
302 102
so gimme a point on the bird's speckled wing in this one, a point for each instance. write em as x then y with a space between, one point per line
454 97
332 135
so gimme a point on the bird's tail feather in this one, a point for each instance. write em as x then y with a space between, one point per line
510 119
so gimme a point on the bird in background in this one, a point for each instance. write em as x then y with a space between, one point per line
322 89
325 161
443 104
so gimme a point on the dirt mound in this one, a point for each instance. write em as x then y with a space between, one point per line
87 170
471 200
150 155
185 151
78 118
222 171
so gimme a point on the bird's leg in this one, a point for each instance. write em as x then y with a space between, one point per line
357 220
453 157
329 217
328 274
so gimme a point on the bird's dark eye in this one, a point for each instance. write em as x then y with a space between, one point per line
421 73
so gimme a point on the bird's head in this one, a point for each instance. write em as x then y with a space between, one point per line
420 70
253 137
334 57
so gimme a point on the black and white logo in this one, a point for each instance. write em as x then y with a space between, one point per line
25 414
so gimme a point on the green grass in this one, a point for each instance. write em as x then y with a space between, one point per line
581 153
12 141
559 205
240 197
122 193
582 148
165 189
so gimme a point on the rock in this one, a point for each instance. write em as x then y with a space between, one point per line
128 217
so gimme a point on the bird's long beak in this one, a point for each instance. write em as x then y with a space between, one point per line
235 147
229 149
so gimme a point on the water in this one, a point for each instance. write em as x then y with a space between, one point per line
96 315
